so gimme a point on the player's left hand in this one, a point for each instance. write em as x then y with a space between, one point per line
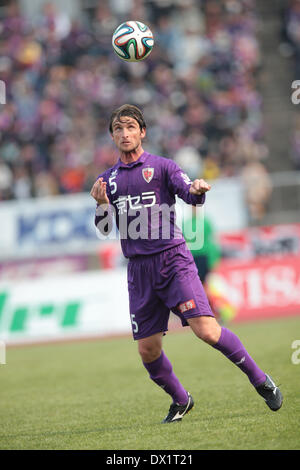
199 187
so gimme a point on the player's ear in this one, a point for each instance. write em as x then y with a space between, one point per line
143 132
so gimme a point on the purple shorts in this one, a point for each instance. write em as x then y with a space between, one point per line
164 282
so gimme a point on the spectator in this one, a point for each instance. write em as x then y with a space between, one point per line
258 188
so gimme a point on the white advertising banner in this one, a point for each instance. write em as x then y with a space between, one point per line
47 226
80 305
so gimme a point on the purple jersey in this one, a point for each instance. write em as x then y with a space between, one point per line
140 194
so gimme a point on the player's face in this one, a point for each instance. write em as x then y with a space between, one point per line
127 134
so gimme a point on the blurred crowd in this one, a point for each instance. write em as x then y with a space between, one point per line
291 33
198 91
290 47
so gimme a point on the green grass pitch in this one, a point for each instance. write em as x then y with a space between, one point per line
97 395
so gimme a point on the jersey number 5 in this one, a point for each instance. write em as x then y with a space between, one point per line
112 184
135 326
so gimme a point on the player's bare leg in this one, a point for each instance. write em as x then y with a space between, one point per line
161 372
225 341
150 348
206 328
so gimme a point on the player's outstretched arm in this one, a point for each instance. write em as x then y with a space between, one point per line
179 183
199 187
98 192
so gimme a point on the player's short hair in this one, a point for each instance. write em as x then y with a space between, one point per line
128 110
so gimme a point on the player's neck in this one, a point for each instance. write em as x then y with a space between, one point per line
133 156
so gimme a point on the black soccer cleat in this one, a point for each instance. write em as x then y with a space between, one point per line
177 412
271 394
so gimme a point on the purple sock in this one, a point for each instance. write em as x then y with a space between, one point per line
161 372
231 346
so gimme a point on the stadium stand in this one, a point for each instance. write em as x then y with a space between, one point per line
198 91
290 47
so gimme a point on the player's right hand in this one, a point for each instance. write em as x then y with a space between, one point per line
98 192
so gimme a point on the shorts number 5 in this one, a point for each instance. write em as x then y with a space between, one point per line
135 326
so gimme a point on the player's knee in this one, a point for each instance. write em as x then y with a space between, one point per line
149 353
206 329
209 336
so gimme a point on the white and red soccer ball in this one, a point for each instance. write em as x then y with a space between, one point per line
132 41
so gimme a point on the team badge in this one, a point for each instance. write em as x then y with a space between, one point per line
189 305
148 174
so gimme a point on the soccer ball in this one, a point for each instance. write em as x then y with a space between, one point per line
132 41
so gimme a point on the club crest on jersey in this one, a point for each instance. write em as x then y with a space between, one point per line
148 174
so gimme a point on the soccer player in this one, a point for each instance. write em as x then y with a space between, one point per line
162 275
